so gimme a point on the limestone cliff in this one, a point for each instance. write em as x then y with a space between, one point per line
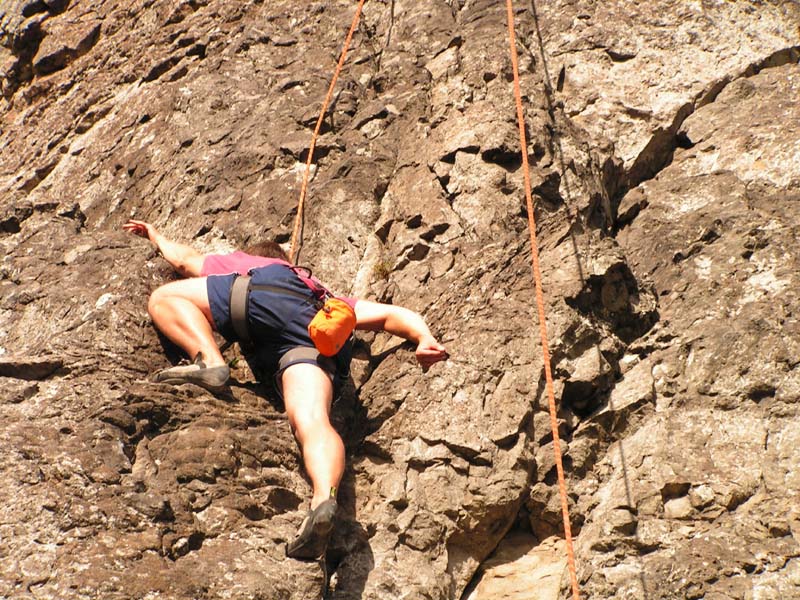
665 144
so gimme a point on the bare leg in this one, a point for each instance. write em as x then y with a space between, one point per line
308 392
181 312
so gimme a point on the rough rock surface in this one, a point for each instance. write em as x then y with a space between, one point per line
665 152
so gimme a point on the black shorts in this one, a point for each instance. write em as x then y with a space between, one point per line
278 323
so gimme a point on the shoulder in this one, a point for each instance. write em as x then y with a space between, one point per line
351 302
235 262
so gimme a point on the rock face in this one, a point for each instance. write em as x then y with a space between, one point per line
664 139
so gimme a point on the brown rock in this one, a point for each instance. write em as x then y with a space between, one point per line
663 144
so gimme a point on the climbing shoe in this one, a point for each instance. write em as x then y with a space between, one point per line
210 378
315 530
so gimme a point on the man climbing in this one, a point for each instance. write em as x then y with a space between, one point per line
189 310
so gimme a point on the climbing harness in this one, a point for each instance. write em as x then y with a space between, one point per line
298 221
537 276
329 330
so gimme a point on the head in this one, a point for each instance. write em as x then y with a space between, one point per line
267 250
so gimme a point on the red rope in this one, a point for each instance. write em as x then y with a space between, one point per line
298 221
537 276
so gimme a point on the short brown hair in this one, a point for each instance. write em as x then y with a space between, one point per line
267 250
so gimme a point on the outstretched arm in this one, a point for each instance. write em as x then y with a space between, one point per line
184 259
374 316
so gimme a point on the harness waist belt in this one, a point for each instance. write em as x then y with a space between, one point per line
240 293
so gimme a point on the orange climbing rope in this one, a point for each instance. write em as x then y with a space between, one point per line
537 276
534 256
298 221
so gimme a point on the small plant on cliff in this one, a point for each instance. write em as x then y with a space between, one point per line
382 269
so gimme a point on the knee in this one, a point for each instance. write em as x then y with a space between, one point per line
156 300
310 425
303 420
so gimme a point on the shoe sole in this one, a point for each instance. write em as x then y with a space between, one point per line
180 381
192 376
312 542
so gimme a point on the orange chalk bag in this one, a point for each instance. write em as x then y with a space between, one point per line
332 326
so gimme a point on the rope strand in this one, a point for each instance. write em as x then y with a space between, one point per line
537 276
295 243
298 221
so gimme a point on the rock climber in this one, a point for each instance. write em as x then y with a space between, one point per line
187 311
